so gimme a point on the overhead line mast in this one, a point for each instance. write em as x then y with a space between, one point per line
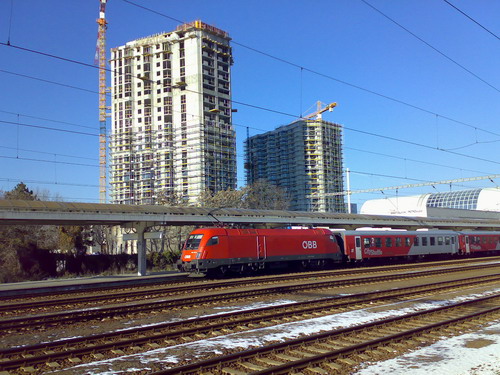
101 60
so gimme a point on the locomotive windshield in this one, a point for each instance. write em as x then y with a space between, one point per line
193 242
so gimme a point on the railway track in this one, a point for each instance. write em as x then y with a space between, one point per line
339 351
53 303
29 323
67 352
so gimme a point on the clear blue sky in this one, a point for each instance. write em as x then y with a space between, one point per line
368 65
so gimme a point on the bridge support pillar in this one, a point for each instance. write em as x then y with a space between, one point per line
141 249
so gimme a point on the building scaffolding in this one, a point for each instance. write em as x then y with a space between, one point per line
305 159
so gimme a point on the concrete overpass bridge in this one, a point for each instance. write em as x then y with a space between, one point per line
141 218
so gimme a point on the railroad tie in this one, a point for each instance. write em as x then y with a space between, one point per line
268 361
397 346
335 344
362 357
301 353
364 336
387 349
332 366
376 353
317 370
251 366
386 331
431 336
232 371
287 358
331 346
27 369
316 349
347 362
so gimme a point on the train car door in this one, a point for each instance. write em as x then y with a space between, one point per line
357 246
467 245
261 247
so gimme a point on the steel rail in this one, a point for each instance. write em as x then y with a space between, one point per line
7 325
218 362
63 349
191 287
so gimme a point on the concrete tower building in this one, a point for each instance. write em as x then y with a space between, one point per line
172 133
305 159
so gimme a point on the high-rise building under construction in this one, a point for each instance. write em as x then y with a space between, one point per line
305 159
172 133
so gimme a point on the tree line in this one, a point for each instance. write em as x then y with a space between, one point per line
42 251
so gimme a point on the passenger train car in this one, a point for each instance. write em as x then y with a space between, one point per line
219 250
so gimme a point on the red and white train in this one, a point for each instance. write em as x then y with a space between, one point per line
219 250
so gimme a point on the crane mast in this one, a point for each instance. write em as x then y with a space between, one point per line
101 60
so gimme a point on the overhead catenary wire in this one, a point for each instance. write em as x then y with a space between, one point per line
431 46
291 115
320 74
264 108
48 161
347 128
234 124
237 155
48 153
413 160
472 19
49 81
48 128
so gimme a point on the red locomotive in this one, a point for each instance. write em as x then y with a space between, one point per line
210 250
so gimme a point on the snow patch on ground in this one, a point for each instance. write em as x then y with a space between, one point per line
265 336
474 354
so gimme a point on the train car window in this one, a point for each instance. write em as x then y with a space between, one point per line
333 239
447 240
366 242
398 242
484 239
415 243
358 242
193 241
453 240
378 242
424 241
213 241
388 242
440 241
433 241
407 241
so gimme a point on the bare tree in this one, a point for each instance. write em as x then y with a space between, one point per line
259 195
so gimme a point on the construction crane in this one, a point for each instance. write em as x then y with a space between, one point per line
101 61
319 110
